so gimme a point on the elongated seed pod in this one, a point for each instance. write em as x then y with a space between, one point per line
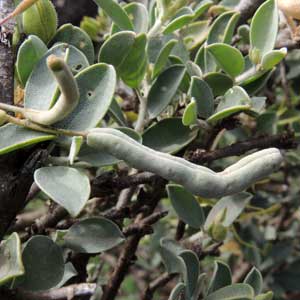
198 179
68 99
25 4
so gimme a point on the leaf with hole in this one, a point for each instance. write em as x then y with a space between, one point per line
97 85
66 186
93 235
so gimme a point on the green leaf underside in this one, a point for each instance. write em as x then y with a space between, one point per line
66 186
14 137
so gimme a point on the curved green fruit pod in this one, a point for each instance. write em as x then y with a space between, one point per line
14 137
98 158
44 265
76 37
263 30
93 235
41 88
96 85
41 20
11 264
66 186
29 54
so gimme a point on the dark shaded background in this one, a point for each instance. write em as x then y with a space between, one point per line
72 11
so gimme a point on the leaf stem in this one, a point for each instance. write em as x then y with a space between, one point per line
142 109
36 127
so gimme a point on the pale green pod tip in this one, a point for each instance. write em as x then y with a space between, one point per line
68 99
55 63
